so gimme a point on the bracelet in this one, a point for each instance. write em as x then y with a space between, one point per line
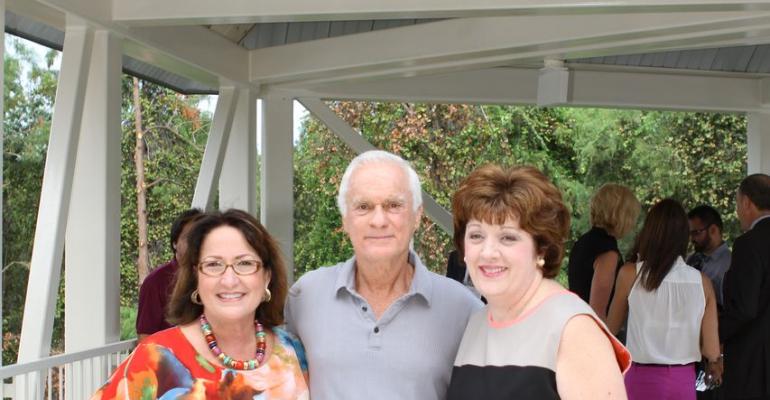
721 357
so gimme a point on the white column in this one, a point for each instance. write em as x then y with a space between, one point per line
92 256
758 143
277 174
238 180
2 167
211 165
39 306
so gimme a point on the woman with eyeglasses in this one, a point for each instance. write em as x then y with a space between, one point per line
227 303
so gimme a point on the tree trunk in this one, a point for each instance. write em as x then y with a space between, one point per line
143 261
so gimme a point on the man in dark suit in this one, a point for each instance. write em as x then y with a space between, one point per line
744 326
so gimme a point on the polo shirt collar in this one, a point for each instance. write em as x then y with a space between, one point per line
421 281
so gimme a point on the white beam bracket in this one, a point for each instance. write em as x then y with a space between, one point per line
553 84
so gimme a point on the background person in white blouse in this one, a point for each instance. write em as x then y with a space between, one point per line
671 309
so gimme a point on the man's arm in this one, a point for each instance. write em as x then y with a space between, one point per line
742 286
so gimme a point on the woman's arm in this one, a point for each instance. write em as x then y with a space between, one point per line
619 306
586 366
601 284
709 333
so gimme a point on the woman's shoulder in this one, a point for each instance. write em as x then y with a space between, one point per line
599 237
284 335
682 272
628 271
592 244
590 359
167 337
288 340
163 356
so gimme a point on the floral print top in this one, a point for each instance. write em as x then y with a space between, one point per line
166 366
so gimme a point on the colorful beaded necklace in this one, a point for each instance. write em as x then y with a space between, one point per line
228 361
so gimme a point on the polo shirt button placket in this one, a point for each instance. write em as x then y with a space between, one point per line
375 338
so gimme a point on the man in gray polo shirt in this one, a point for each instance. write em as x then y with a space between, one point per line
379 325
711 256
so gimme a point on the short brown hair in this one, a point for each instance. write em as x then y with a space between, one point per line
615 209
493 194
181 310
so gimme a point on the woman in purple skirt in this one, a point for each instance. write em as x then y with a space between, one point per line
671 309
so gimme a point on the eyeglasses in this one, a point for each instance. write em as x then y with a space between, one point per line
698 231
244 266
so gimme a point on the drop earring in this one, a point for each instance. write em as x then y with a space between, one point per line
195 297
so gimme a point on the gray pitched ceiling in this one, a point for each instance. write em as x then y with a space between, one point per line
54 38
277 34
742 59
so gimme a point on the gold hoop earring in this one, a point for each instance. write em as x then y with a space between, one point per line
195 297
268 295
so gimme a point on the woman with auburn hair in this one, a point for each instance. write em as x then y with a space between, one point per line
671 310
595 258
227 303
534 339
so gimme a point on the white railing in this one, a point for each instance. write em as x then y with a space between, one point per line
65 376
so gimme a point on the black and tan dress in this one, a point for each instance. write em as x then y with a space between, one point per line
517 359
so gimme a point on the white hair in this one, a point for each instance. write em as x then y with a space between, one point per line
373 157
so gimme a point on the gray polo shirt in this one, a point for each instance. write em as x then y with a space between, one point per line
714 267
407 354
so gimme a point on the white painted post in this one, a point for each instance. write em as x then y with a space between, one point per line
211 165
2 151
758 142
92 256
45 265
277 174
45 269
238 180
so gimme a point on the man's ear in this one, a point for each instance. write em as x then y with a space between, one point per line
714 231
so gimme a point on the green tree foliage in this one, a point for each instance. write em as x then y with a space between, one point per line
696 158
175 133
